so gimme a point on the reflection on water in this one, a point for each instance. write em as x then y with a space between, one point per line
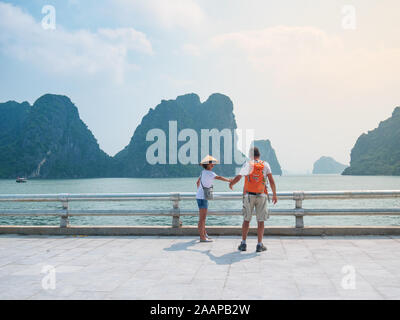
284 183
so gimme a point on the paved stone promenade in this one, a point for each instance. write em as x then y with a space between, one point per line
183 268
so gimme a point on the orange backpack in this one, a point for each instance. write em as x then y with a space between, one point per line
255 181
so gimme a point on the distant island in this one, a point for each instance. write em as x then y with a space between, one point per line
378 151
49 140
328 165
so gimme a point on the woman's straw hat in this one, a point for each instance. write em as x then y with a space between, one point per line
208 159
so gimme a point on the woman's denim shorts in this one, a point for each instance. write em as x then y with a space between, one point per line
203 204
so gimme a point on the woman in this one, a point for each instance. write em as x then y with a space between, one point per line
206 179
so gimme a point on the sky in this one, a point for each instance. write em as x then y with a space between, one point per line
311 76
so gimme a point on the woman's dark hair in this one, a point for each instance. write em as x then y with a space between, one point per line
205 165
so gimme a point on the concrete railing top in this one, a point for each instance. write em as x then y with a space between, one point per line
289 195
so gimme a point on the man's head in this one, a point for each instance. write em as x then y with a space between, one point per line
254 153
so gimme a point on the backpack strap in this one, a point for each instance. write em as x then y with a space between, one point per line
201 176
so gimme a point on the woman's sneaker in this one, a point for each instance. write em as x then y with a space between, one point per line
242 247
261 247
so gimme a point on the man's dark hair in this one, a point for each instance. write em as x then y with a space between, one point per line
254 152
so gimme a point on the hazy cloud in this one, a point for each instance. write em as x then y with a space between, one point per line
62 51
298 55
191 49
166 13
313 86
310 79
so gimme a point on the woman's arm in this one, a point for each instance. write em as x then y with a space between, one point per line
223 179
198 182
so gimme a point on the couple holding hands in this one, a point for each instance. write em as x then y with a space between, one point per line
255 195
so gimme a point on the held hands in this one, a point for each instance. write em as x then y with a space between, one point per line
231 184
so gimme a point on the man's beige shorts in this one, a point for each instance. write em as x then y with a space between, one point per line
257 202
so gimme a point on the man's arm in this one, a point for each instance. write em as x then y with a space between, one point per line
273 187
234 181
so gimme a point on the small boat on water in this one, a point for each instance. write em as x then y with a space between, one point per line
21 180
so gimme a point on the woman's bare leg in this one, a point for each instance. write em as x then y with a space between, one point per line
202 223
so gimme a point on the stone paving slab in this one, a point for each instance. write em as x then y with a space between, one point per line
139 267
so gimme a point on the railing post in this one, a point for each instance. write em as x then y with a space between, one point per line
176 222
64 222
298 197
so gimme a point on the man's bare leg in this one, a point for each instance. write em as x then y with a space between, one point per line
245 229
260 231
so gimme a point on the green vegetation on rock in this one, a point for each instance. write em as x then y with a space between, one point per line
48 140
188 112
378 151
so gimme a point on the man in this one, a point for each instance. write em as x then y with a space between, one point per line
256 172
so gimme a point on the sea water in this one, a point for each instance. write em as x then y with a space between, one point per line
132 185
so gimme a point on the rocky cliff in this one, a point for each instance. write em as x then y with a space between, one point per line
48 140
378 151
179 130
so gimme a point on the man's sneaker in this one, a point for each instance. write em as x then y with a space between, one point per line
242 247
261 247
